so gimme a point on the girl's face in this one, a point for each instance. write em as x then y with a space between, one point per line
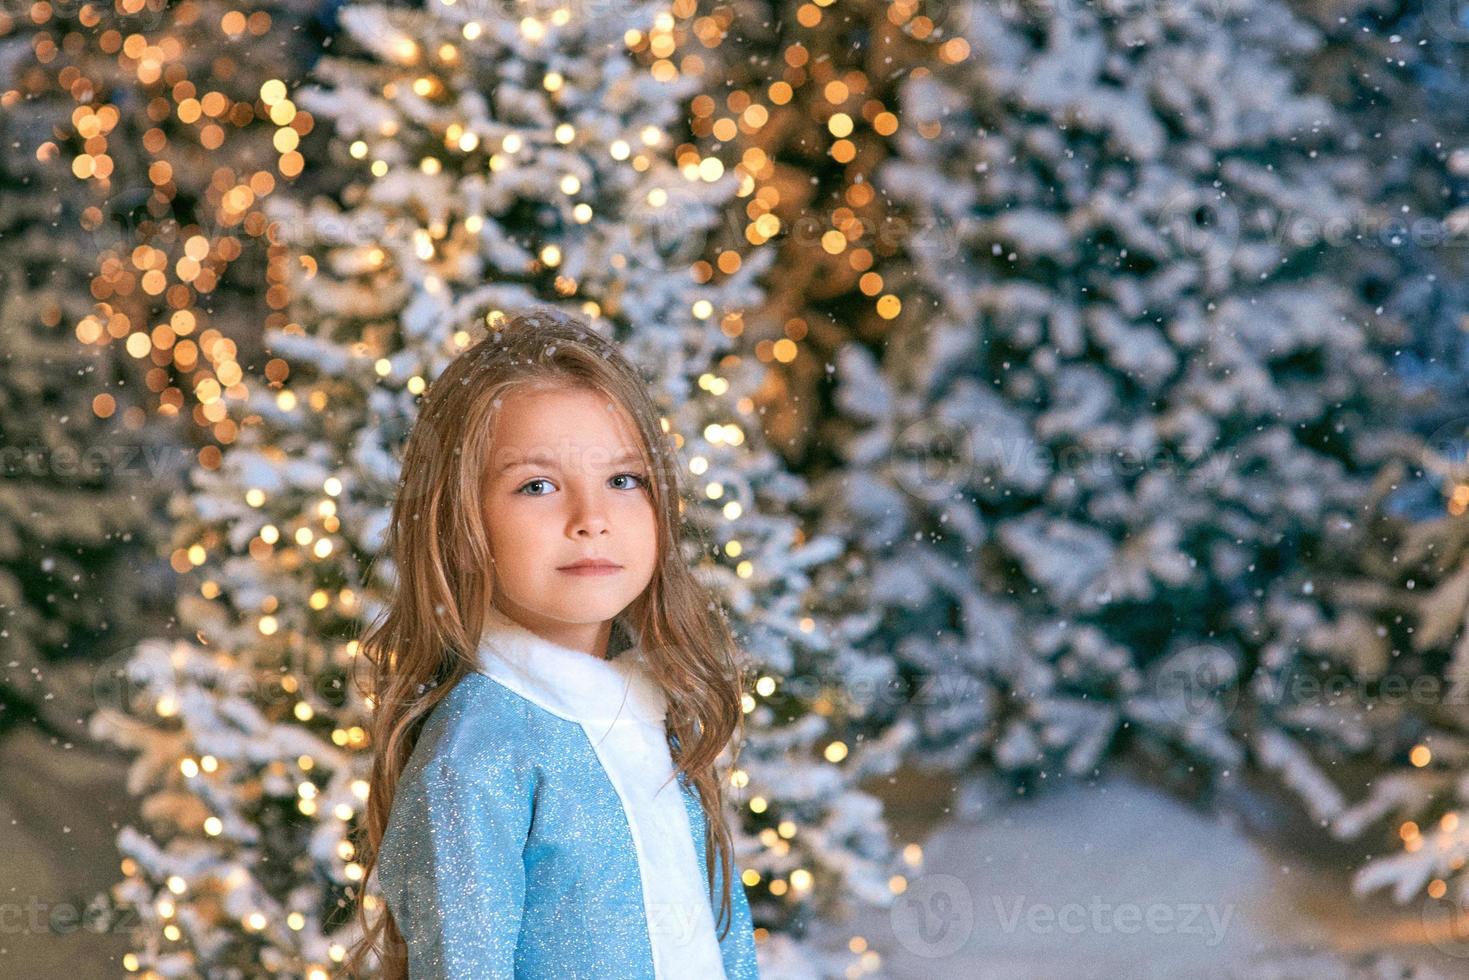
564 483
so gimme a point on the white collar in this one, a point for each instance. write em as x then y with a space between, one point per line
571 684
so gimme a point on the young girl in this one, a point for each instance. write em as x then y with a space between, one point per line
551 686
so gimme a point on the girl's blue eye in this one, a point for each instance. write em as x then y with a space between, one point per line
636 476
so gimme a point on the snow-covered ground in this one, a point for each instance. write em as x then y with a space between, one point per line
1119 880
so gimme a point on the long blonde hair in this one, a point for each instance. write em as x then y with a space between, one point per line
425 638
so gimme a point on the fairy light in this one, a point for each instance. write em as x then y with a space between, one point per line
532 29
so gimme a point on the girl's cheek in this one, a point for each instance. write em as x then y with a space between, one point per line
521 518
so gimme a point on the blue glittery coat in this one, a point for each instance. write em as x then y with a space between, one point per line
532 834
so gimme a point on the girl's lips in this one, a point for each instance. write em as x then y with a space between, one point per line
591 569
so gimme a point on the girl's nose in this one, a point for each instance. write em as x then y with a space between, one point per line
589 515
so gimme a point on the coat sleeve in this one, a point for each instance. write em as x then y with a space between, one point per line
738 945
452 868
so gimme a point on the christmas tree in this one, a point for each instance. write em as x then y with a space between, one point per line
1401 67
484 164
811 108
1418 797
81 476
150 251
1098 480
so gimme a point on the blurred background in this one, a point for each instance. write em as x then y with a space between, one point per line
1071 395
